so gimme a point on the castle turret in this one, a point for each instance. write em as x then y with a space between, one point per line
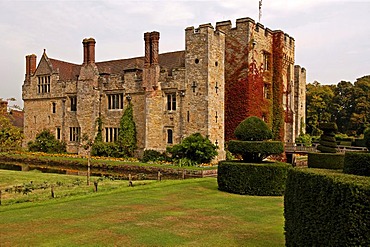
205 83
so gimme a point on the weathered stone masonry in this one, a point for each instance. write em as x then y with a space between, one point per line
174 94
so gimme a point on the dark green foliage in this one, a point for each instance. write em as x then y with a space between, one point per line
127 132
255 151
357 163
304 139
326 160
358 142
153 155
46 142
328 142
252 143
195 148
253 129
99 134
326 208
264 179
106 149
367 138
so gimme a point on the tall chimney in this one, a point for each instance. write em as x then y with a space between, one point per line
89 50
154 37
147 49
30 65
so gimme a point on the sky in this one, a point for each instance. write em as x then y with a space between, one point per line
332 37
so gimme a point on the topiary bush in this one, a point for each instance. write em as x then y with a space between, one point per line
326 208
46 142
263 179
253 129
326 160
256 151
357 163
253 142
328 142
195 148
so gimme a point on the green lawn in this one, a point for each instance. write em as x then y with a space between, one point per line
169 213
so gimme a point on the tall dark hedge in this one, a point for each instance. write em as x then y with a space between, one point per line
357 163
326 160
264 179
326 208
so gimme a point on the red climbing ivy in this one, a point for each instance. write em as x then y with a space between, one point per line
278 86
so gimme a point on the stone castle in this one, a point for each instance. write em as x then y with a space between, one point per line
224 75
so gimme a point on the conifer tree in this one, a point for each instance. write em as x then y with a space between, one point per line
127 131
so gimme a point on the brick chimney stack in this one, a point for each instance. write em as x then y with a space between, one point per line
151 48
30 65
89 50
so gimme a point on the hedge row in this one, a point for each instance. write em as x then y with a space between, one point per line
263 179
326 160
326 208
357 163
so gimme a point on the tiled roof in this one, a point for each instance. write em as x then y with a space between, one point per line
170 60
67 71
17 118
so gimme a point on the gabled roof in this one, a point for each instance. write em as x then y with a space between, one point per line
69 71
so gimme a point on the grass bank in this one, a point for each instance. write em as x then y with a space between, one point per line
169 213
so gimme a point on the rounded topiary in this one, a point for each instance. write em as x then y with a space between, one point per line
253 142
253 129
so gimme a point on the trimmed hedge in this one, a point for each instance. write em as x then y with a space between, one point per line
326 160
263 179
255 150
357 163
326 208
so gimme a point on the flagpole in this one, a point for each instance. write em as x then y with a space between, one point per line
260 11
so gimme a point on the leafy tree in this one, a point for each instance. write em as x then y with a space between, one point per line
361 111
127 132
319 106
194 149
10 136
343 105
46 142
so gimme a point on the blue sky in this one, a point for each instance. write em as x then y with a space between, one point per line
332 37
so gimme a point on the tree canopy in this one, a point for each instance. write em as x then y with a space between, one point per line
346 104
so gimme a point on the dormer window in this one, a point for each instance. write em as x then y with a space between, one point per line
43 84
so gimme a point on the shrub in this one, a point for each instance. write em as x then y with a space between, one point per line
327 141
106 149
253 129
252 142
326 208
304 139
263 179
195 148
153 155
357 163
326 160
255 151
367 138
46 142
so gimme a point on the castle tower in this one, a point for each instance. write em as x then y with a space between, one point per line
205 85
300 99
